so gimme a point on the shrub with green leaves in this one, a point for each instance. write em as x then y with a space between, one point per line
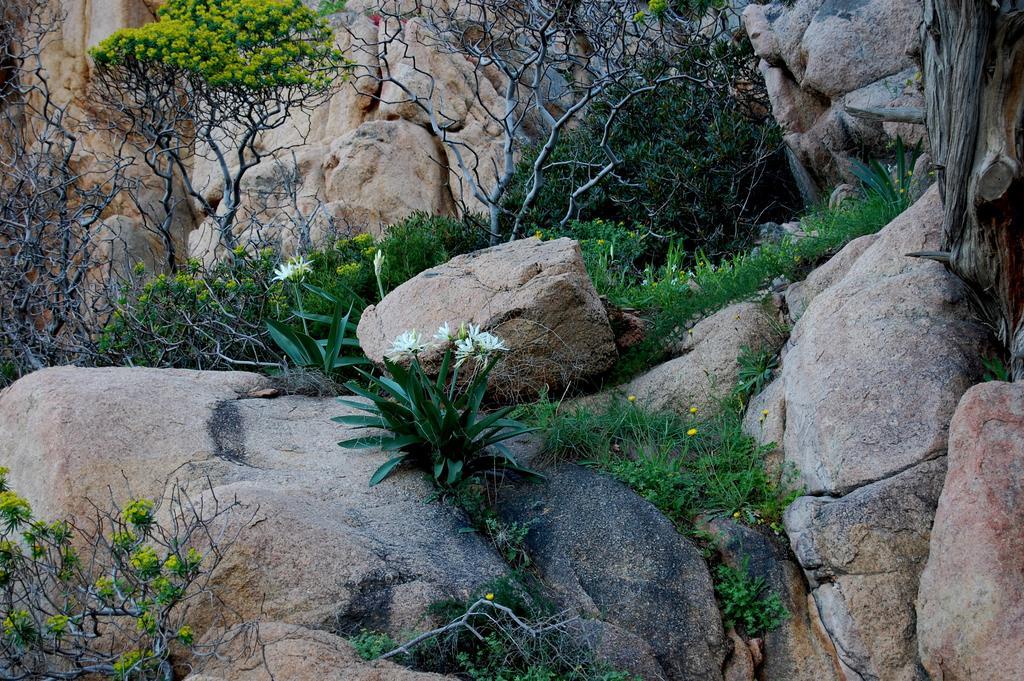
217 317
108 598
197 319
698 163
437 424
745 601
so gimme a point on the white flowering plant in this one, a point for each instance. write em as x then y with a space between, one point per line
437 424
326 354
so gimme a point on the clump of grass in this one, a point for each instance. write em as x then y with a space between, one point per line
670 296
685 466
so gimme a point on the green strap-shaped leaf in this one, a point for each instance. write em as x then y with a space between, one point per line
386 469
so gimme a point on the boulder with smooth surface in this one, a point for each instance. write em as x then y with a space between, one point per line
970 607
535 295
607 552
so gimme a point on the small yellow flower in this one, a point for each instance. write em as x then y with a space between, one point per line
689 331
600 242
538 234
736 515
631 398
693 410
764 412
489 597
691 432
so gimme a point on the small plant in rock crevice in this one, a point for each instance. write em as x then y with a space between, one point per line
437 424
757 368
745 601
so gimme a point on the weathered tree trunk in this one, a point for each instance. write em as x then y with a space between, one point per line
974 89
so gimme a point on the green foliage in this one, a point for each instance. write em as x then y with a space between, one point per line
217 317
109 601
252 44
437 424
422 241
995 369
695 164
326 354
745 604
328 7
757 367
196 319
671 295
890 183
684 466
371 645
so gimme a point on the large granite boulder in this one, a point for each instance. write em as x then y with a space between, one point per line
534 294
607 552
970 607
863 555
879 360
323 550
820 57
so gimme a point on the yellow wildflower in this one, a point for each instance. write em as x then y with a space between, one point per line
691 432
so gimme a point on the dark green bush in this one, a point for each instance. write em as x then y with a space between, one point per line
699 164
422 241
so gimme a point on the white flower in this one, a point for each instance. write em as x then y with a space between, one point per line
463 350
295 269
283 272
408 344
488 343
444 333
301 266
478 345
378 262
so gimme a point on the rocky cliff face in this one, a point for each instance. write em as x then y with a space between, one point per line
360 162
822 58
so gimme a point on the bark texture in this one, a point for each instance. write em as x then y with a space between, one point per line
974 75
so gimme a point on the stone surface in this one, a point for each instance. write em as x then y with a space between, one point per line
879 360
799 650
534 294
384 171
607 552
740 665
765 421
800 294
285 651
970 607
707 369
324 549
863 555
848 45
819 56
